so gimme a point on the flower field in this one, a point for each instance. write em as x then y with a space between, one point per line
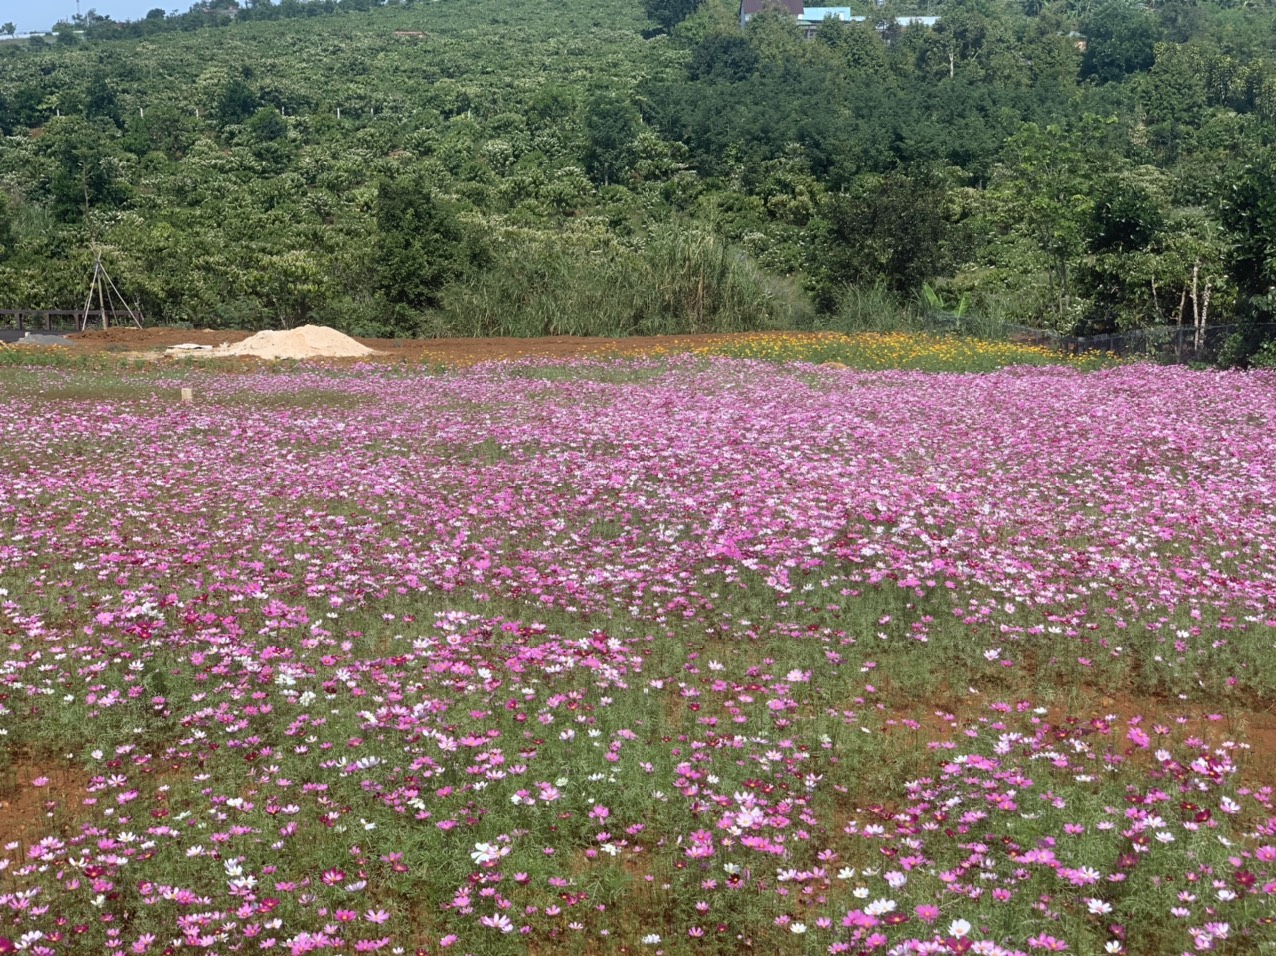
879 351
669 655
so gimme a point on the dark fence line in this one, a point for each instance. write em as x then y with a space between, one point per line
42 320
1167 343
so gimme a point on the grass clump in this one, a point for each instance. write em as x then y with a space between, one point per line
678 280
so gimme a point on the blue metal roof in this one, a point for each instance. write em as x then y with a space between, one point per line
822 13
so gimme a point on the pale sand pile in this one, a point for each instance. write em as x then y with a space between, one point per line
308 341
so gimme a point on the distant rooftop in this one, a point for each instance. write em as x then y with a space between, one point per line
809 17
823 13
750 7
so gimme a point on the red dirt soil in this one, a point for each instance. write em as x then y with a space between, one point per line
28 812
443 351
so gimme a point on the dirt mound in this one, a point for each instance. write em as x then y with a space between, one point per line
308 341
153 340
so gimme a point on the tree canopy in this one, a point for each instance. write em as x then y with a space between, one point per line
386 166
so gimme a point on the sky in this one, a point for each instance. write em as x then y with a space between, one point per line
39 15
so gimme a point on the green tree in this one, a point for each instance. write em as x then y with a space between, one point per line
1123 222
1123 216
236 102
611 125
8 29
887 229
1053 58
266 125
711 16
775 36
1189 271
550 105
856 47
956 43
1181 20
420 244
1121 39
1174 96
6 229
727 57
1248 211
292 283
164 128
88 172
1042 191
100 101
667 14
268 132
25 107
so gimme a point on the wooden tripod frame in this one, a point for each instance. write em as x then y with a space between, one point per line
103 288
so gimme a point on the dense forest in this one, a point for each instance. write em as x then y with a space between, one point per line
512 167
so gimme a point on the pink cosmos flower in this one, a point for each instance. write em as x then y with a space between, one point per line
1048 943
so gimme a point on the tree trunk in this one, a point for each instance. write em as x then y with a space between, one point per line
1205 311
1193 291
1178 338
1063 287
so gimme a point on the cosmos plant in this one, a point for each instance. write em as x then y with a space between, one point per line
667 656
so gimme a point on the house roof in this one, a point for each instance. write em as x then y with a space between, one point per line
750 7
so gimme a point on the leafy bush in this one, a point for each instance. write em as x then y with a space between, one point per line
1265 357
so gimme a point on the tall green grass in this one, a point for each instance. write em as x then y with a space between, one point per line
877 309
678 280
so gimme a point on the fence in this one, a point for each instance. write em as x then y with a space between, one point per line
42 320
1167 343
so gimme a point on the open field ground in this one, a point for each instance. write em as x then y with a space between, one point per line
866 350
670 654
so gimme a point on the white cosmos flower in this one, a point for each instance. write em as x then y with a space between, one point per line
879 907
488 853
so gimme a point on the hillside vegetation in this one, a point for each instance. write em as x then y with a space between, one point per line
509 167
